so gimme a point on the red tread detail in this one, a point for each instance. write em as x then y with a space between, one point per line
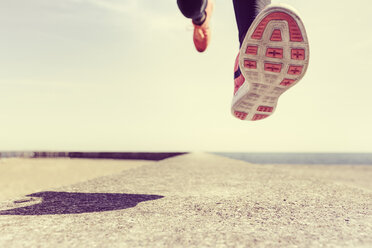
274 53
240 115
257 117
276 35
298 54
295 70
251 64
294 30
287 82
273 67
265 109
251 50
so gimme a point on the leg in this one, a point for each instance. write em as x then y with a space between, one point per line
245 12
193 9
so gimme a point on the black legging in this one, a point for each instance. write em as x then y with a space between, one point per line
245 12
193 9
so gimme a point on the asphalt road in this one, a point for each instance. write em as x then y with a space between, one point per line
199 200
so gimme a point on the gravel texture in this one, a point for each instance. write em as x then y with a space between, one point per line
199 200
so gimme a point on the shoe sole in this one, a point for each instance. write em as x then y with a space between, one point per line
274 57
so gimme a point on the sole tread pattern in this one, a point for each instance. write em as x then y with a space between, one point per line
273 57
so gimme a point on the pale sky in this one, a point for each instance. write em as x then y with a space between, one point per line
123 75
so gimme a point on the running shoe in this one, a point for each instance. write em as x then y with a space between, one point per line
202 33
274 56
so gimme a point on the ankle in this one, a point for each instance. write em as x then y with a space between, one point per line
199 21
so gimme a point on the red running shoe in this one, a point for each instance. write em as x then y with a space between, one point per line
202 33
273 57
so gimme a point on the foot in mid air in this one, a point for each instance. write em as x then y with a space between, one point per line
202 32
273 57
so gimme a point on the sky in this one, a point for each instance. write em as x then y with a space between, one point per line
123 75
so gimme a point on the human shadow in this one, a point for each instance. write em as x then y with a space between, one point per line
50 202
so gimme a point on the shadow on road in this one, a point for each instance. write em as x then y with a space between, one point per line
51 202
